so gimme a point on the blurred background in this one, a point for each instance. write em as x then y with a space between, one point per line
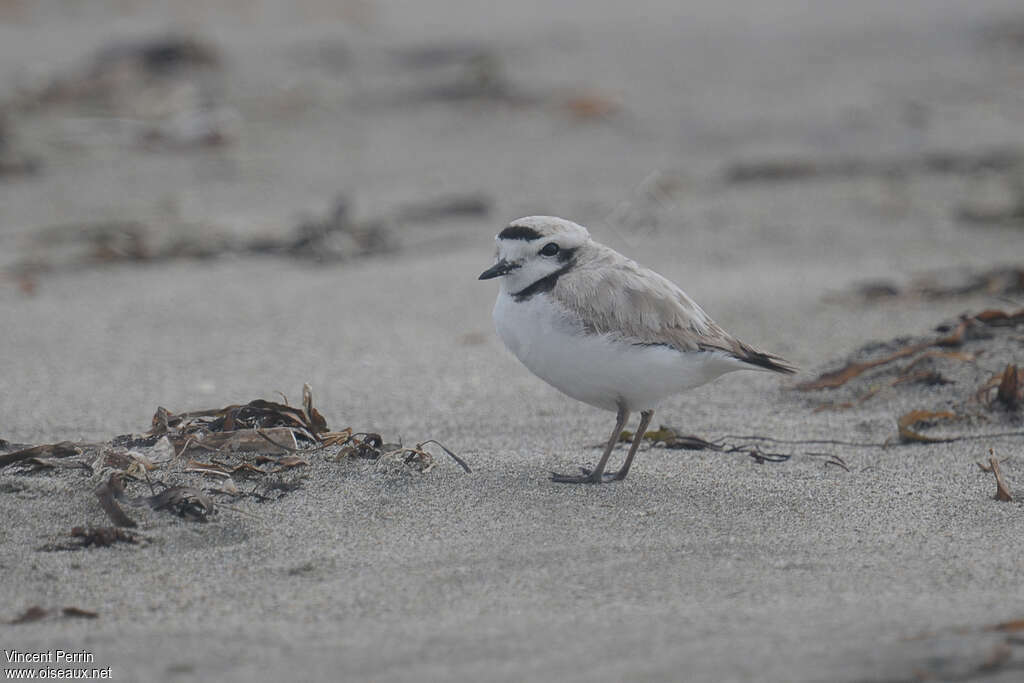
172 172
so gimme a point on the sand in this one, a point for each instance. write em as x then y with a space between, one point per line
701 565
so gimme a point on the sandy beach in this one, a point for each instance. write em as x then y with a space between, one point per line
170 236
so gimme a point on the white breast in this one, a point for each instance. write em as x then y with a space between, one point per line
598 369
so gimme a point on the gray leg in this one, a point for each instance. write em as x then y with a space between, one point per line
645 420
597 475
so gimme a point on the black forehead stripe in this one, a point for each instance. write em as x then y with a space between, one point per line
519 232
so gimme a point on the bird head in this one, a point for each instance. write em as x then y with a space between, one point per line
533 248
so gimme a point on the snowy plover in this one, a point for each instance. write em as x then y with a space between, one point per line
603 329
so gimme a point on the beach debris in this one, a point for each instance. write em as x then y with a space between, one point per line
1009 388
908 421
837 378
281 487
283 463
82 537
442 208
461 75
964 653
673 439
1002 490
402 460
393 457
330 238
270 427
474 74
118 72
929 163
13 163
1012 626
670 438
967 328
108 494
592 105
947 372
37 613
63 449
281 437
257 425
1002 281
103 536
430 56
158 92
185 501
34 613
1007 211
907 375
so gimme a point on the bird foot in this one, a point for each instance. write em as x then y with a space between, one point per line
588 477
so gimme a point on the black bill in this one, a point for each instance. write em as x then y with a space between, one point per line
498 269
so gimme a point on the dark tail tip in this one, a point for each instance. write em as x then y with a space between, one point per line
769 362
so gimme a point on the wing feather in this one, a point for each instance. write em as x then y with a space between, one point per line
614 295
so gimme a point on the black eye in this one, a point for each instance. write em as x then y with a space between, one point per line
550 249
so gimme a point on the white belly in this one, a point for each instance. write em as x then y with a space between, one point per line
599 369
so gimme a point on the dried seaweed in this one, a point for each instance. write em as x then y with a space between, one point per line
372 447
672 439
38 464
1004 281
278 485
907 375
967 328
34 613
103 536
592 105
1008 626
930 163
12 162
838 378
1002 490
185 501
1010 387
285 462
442 208
108 494
1008 212
262 424
255 426
476 76
37 613
330 237
63 449
229 433
909 420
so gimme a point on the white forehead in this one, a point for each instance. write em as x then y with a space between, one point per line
551 227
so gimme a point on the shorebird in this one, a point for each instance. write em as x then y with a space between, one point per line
604 330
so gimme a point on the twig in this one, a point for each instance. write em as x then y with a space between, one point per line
462 463
1002 490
